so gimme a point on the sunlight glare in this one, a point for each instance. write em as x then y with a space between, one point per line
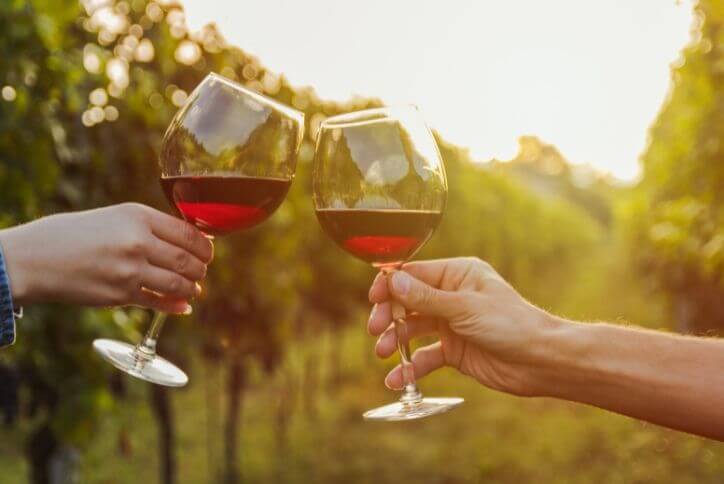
588 77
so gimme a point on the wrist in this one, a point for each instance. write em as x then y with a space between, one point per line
18 270
563 361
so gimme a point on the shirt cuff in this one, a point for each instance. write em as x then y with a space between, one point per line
7 311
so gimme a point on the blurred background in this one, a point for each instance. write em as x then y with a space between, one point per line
585 156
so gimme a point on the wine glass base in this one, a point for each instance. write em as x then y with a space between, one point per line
154 369
410 411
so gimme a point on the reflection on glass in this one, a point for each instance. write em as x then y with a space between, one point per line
231 129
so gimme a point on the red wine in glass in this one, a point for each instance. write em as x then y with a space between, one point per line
218 205
381 237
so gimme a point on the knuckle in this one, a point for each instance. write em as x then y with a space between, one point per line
127 275
136 244
425 297
481 269
127 206
479 264
182 261
135 210
180 287
174 285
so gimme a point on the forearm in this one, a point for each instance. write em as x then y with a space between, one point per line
671 380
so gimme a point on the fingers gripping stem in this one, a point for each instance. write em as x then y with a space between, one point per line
410 393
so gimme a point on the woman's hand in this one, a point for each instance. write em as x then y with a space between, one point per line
125 254
486 329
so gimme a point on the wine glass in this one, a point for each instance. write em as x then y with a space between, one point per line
379 192
227 161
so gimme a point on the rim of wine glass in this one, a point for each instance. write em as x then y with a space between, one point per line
298 116
369 116
380 114
259 97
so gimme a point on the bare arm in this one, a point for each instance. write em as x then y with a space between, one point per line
671 380
489 332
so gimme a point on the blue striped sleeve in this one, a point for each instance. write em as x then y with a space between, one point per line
7 316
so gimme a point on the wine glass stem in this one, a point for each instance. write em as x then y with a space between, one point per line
146 349
410 394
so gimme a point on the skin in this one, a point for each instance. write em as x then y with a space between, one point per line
487 331
126 254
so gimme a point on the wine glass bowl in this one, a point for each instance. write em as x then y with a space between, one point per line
380 190
379 183
229 156
226 161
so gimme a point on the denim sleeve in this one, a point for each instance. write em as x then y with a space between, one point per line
7 315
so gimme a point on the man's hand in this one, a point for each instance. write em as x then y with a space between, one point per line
125 254
486 329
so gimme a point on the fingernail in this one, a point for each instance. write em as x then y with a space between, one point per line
372 313
380 340
401 283
198 289
188 310
388 379
388 335
372 286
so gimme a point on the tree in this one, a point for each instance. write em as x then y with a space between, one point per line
678 226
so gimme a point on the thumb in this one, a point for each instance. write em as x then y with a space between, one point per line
415 295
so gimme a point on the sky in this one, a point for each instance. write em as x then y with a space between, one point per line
586 76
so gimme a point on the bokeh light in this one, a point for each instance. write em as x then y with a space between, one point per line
250 71
188 52
155 100
154 12
136 31
176 20
97 114
91 60
117 72
86 119
178 98
131 41
9 93
111 113
145 51
114 90
271 82
98 97
229 73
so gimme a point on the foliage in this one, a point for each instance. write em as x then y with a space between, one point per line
678 215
